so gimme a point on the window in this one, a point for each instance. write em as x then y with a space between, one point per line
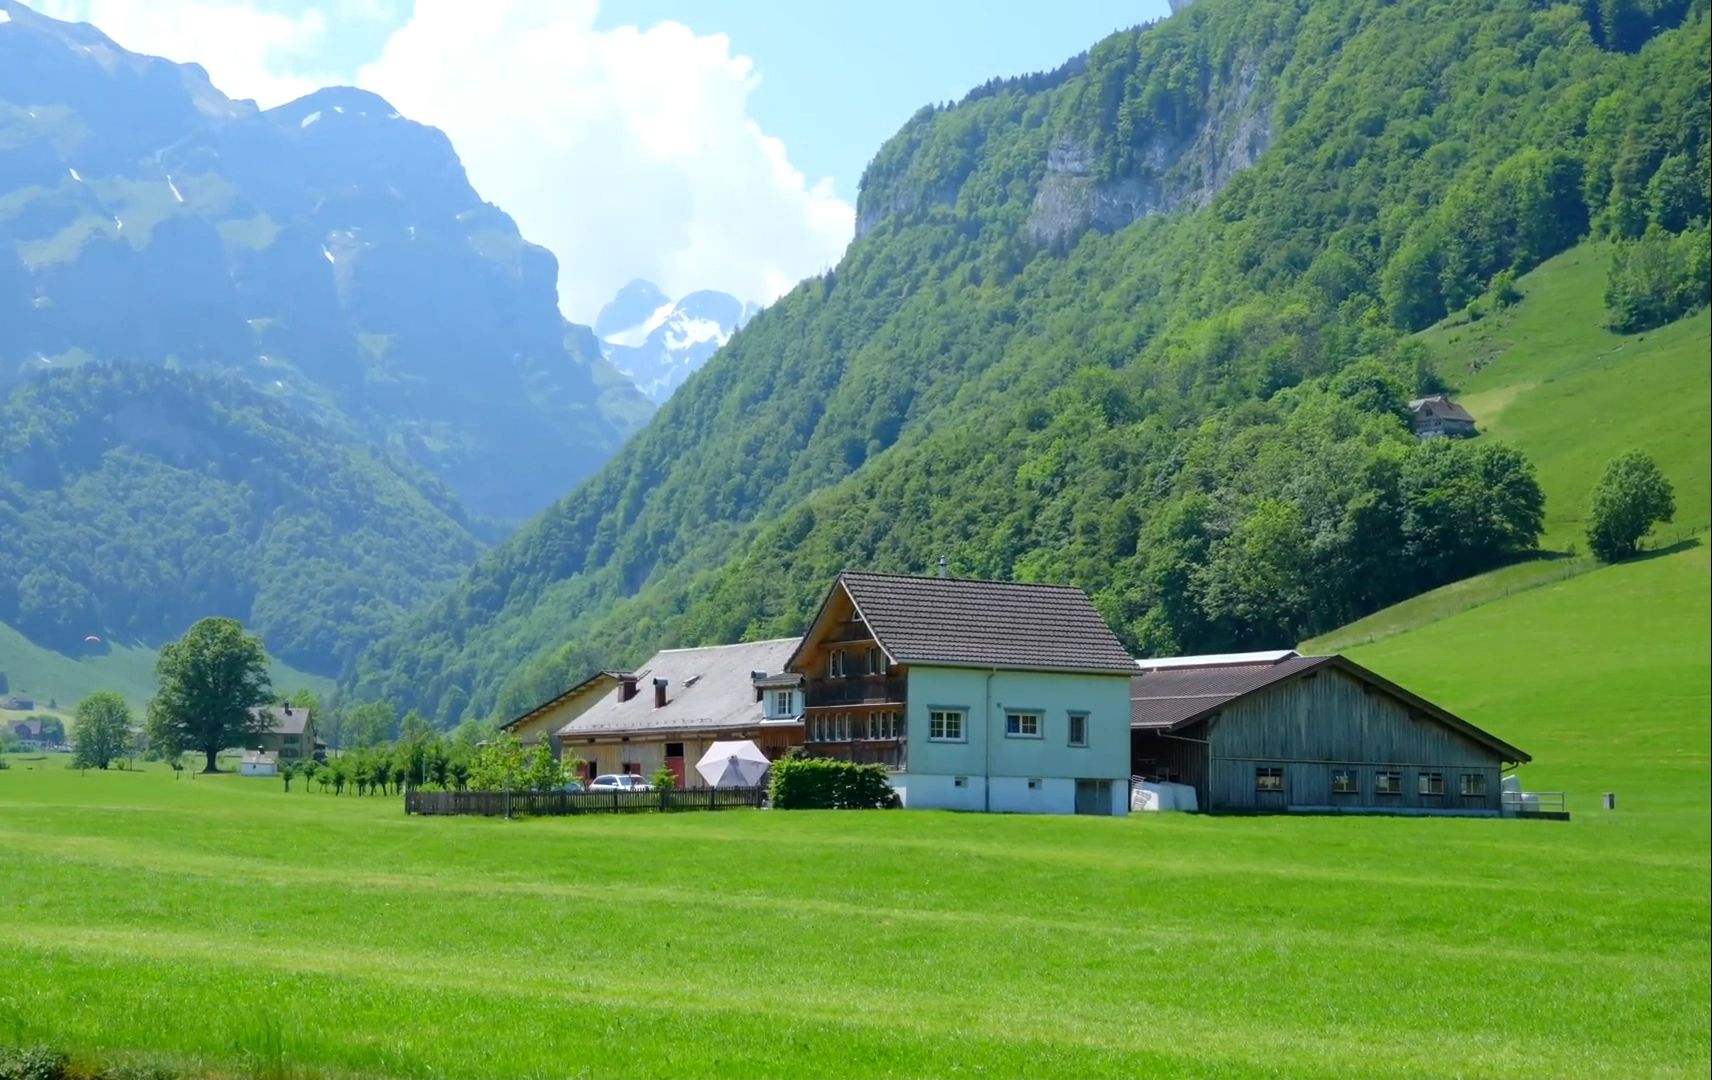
1268 778
1034 783
1078 729
945 725
1432 783
1345 783
1022 725
876 662
1474 784
959 781
783 700
674 749
835 664
1387 783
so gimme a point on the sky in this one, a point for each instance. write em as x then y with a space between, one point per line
696 143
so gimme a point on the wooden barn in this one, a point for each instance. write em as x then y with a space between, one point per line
1308 733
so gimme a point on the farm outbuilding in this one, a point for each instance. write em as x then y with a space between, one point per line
258 763
1309 733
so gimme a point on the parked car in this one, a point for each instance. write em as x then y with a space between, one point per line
573 787
619 782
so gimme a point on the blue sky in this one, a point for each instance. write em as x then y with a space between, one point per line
697 143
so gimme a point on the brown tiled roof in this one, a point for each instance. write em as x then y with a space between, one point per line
1006 624
1173 697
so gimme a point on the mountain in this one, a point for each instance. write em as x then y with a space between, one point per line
330 252
135 499
657 343
1142 323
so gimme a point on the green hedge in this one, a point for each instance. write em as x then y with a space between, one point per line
821 784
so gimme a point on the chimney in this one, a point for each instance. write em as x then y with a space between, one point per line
755 677
659 693
942 563
626 687
288 708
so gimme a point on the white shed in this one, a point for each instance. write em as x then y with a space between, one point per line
257 763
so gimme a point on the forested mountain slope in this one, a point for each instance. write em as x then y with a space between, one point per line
135 500
1139 324
329 251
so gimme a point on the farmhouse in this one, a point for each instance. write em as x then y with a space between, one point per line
1438 417
667 712
545 719
1262 732
291 734
979 695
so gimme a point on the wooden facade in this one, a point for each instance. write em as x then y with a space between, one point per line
855 698
1327 740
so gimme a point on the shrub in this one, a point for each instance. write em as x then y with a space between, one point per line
663 779
1656 279
822 784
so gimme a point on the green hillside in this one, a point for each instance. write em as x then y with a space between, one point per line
1602 677
128 668
136 500
1141 324
1548 377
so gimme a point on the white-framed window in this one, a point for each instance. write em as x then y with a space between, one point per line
876 661
1034 783
1387 782
1022 725
959 781
784 702
1344 782
1431 783
835 664
1268 778
1078 729
945 725
1474 784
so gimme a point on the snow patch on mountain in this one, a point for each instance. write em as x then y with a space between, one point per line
658 342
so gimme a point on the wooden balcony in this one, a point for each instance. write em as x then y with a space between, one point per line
856 690
845 633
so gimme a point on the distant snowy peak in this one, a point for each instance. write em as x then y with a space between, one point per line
660 342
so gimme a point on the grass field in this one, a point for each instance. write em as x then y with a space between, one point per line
1548 377
222 925
129 669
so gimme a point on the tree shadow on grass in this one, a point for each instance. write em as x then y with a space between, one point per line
1687 543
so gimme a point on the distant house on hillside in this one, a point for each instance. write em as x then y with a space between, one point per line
979 695
668 711
291 736
18 703
29 734
545 719
1438 417
1317 733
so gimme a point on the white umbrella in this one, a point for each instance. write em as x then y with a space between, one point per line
733 764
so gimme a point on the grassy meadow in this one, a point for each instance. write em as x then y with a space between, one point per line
225 927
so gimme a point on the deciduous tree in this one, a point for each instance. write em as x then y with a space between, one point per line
1631 497
103 728
211 681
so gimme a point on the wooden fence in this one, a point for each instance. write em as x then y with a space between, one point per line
556 803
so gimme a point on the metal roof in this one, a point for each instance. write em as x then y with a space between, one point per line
1271 656
1168 699
959 622
707 689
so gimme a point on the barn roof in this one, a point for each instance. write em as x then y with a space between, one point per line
960 622
1170 698
610 677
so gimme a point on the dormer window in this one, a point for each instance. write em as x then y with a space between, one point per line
783 703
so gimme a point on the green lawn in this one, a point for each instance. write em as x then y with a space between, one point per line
224 925
1548 377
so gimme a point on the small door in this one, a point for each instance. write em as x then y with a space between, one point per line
1094 797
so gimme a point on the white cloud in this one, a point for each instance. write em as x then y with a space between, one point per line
248 52
627 152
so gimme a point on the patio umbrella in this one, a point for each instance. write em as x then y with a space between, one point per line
733 764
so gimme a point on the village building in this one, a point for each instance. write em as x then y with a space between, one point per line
290 735
1438 417
546 719
258 763
667 712
978 695
1278 732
